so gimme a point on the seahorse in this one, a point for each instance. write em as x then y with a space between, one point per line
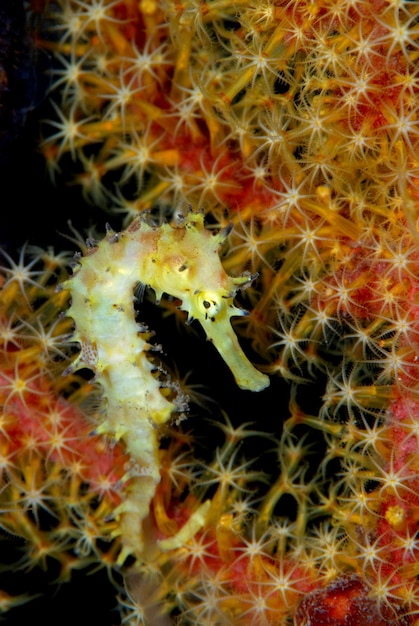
179 258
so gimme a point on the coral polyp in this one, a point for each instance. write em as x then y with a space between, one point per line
294 128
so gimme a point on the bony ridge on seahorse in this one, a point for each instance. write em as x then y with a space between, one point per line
180 259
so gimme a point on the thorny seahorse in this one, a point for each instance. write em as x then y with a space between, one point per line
181 259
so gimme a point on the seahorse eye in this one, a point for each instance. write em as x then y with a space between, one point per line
211 306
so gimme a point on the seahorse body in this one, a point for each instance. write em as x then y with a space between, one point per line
179 259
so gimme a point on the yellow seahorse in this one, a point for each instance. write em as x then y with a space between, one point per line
181 259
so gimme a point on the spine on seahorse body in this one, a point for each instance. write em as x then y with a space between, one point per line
182 260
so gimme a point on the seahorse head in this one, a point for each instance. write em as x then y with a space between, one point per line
183 260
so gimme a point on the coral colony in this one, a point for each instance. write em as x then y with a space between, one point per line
262 159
